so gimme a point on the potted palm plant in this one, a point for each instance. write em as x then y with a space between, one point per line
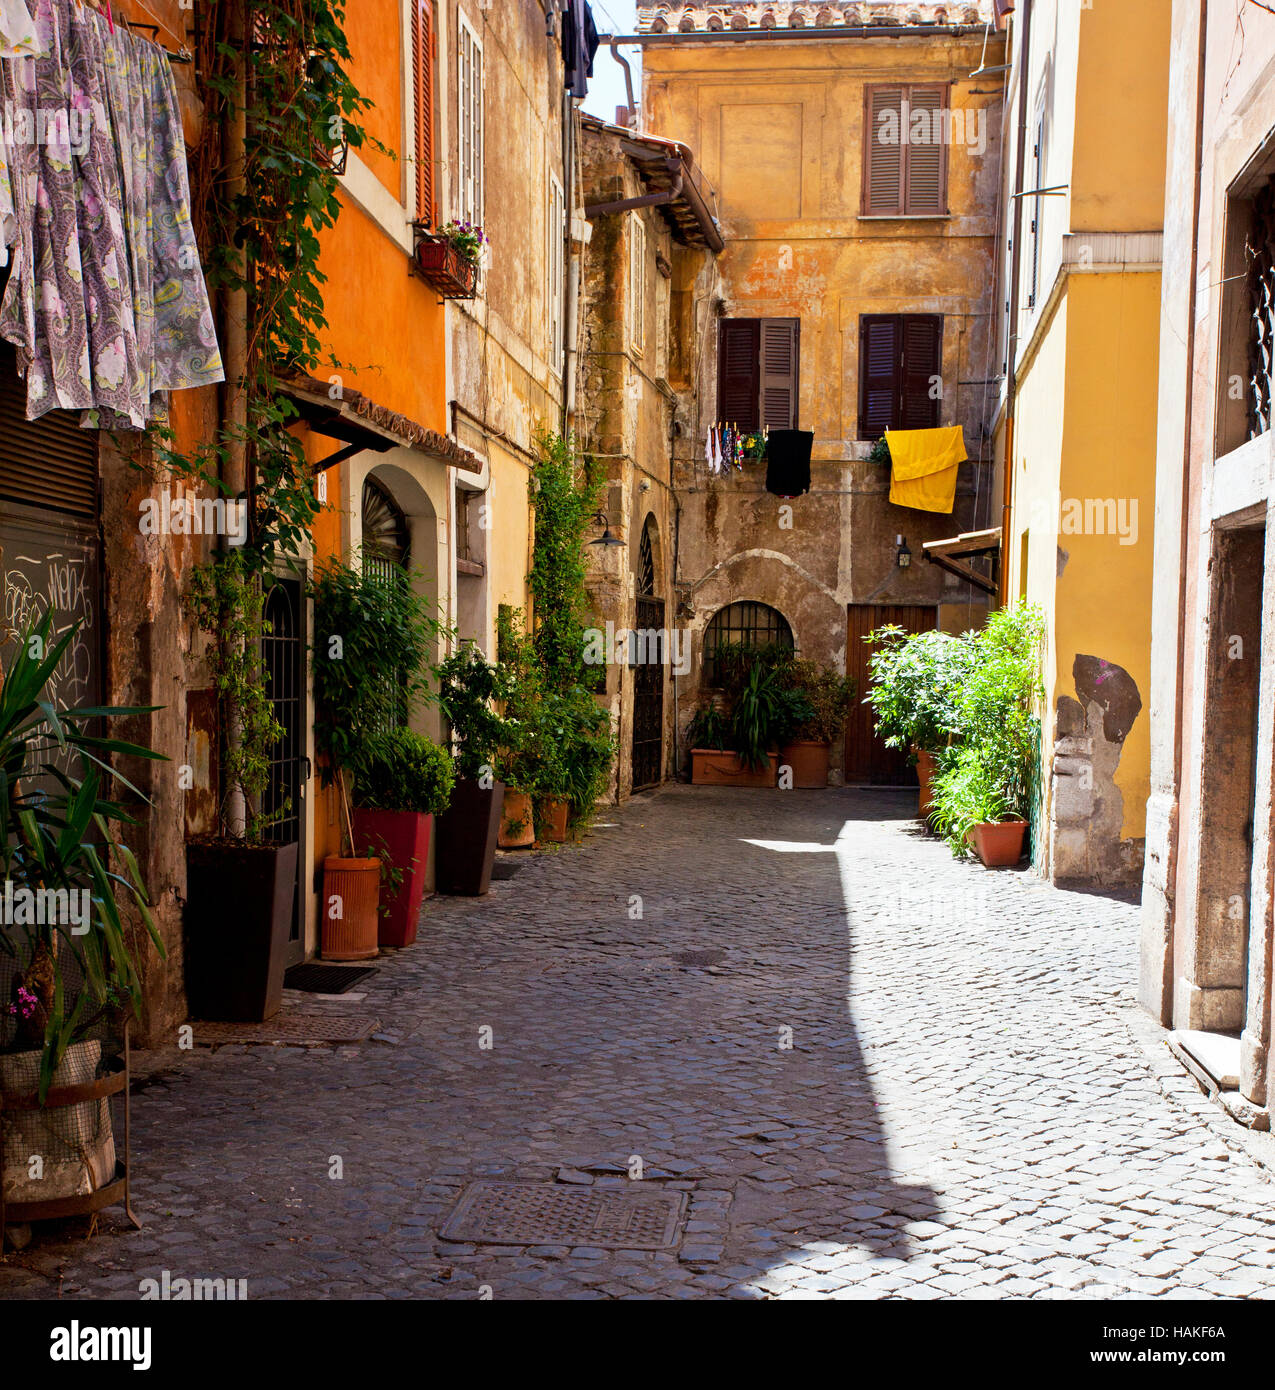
985 793
816 702
240 888
68 974
747 730
405 782
468 688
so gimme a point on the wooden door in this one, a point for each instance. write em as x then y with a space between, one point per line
868 760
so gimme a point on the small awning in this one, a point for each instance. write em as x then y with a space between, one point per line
360 423
951 554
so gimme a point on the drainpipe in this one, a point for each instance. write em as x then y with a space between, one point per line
628 81
571 277
1011 395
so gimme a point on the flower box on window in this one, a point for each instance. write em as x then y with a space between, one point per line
444 269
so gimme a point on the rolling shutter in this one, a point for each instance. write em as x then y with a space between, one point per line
779 347
880 355
883 158
50 463
922 362
925 165
423 79
739 372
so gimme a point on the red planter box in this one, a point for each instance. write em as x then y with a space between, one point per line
402 837
445 269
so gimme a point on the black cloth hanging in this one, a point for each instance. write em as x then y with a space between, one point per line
788 462
579 44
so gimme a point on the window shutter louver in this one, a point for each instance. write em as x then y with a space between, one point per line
926 164
423 75
922 362
880 354
883 179
49 463
739 372
779 347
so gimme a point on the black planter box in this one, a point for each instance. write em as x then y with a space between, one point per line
238 914
467 833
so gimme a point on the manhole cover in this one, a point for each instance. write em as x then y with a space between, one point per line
709 957
288 1028
533 1213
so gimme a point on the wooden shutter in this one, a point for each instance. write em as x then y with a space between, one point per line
925 160
883 161
739 372
922 361
779 348
423 79
880 358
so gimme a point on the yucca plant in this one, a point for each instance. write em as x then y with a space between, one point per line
58 840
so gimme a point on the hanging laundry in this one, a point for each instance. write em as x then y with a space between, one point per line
18 37
579 44
788 462
106 303
924 467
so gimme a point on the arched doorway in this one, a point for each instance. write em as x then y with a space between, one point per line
648 676
387 549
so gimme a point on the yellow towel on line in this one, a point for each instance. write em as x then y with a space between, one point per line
924 465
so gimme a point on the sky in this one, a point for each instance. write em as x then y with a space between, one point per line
606 89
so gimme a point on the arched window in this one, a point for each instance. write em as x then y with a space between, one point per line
746 624
386 540
646 560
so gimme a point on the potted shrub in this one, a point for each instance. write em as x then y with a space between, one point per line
467 831
240 889
985 793
450 257
576 749
914 693
68 974
816 700
374 635
405 781
747 735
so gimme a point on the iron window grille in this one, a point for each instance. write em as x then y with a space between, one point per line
747 624
1260 251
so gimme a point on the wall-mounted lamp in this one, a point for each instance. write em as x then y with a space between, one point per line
606 538
905 555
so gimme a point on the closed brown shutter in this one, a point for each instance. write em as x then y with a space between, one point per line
49 463
922 362
883 161
880 356
906 174
423 80
779 349
925 164
899 357
739 372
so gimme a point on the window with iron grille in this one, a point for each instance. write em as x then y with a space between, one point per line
905 150
1259 251
746 624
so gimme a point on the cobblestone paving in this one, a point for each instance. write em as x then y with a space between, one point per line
970 1103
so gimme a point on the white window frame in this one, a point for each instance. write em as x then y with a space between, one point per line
637 283
555 265
470 124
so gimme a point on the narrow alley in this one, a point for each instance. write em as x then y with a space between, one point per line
970 1104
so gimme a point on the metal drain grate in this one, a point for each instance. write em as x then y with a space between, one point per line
325 979
533 1213
288 1028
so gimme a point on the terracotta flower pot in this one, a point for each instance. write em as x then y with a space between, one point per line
517 830
999 844
809 763
925 768
711 767
553 826
351 899
402 837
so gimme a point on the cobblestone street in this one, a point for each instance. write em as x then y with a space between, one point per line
970 1105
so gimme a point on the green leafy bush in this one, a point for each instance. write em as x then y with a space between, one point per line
404 771
915 687
818 700
757 715
469 686
710 728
